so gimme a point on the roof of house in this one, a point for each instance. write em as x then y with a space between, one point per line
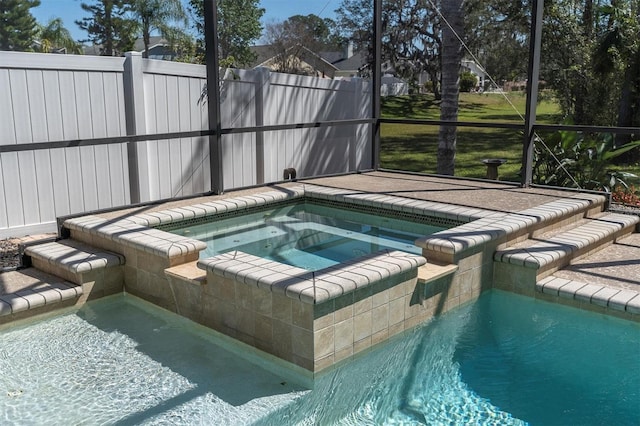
267 52
332 57
138 46
264 52
357 61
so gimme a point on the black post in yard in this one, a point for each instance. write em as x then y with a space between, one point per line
533 75
376 83
213 93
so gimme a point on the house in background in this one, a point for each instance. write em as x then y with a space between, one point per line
159 48
474 68
295 60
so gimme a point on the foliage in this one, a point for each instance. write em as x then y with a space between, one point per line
411 39
591 58
238 28
109 26
497 33
158 15
582 157
55 37
468 81
300 38
18 27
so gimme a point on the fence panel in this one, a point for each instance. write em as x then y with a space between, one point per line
52 98
177 167
66 97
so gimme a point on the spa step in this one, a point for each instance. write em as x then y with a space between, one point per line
551 251
99 272
29 291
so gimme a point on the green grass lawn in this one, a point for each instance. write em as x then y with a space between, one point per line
414 148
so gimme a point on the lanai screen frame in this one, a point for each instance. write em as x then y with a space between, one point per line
529 127
216 131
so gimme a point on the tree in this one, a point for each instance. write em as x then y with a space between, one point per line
591 59
18 27
497 33
158 15
617 52
238 28
410 35
452 50
109 26
54 37
300 37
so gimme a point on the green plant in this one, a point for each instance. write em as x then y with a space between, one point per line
570 159
468 81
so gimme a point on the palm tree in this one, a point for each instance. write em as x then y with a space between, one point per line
157 15
54 37
451 56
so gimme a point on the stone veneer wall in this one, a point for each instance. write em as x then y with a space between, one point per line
143 273
474 276
311 336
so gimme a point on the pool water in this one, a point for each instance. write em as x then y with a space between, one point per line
505 359
308 235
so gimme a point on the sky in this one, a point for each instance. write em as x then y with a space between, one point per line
276 10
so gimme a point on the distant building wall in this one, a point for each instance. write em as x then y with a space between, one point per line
49 98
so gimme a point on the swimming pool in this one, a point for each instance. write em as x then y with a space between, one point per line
504 359
307 235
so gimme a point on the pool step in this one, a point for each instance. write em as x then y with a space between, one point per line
99 272
550 251
30 292
619 299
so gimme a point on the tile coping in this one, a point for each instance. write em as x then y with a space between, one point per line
311 287
546 252
480 225
74 256
607 297
37 296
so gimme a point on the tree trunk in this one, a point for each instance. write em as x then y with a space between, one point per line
451 59
626 111
146 36
108 25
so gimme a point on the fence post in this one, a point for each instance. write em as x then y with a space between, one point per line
136 125
213 94
377 82
354 142
261 81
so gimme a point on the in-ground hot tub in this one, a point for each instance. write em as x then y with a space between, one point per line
307 234
367 292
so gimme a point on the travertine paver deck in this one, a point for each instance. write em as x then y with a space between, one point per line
616 266
505 207
496 196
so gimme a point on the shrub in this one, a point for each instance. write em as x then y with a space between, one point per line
468 81
582 157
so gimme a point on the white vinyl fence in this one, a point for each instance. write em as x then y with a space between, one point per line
45 98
